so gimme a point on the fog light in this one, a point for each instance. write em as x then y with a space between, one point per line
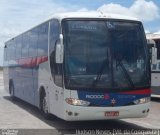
143 111
69 113
75 114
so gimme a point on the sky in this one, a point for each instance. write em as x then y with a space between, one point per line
16 16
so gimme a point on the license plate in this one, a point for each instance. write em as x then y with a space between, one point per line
111 113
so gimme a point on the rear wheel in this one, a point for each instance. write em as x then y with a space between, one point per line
11 90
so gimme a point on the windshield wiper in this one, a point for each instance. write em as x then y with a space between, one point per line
126 73
99 74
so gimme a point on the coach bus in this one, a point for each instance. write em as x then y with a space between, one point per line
81 66
154 45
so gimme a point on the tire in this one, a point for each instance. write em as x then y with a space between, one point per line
11 90
44 107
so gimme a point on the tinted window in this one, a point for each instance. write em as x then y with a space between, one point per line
105 54
18 47
33 37
9 50
13 49
25 45
54 33
43 40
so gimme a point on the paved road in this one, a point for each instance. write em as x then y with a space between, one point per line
20 115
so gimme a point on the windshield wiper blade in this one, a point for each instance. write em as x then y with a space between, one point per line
126 73
98 77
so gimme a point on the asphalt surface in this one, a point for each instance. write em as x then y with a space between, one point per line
21 115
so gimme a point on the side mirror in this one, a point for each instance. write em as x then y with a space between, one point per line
154 55
59 50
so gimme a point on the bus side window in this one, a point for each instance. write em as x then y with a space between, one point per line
43 39
18 47
25 45
56 69
12 49
33 37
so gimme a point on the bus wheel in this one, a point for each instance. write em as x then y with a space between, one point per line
44 106
11 90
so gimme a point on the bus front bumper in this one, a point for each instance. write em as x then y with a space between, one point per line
80 113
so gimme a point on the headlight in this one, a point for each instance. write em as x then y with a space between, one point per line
142 100
77 102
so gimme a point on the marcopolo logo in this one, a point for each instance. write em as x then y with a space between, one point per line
100 96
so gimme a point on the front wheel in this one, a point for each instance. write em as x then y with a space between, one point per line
44 107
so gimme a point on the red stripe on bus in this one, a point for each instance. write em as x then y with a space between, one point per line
31 62
138 92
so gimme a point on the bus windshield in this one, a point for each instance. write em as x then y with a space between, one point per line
105 54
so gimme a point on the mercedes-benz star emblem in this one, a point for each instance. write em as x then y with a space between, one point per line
113 102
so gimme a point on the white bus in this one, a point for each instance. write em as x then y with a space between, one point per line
154 45
81 66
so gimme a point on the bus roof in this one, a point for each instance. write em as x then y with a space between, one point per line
61 16
94 14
